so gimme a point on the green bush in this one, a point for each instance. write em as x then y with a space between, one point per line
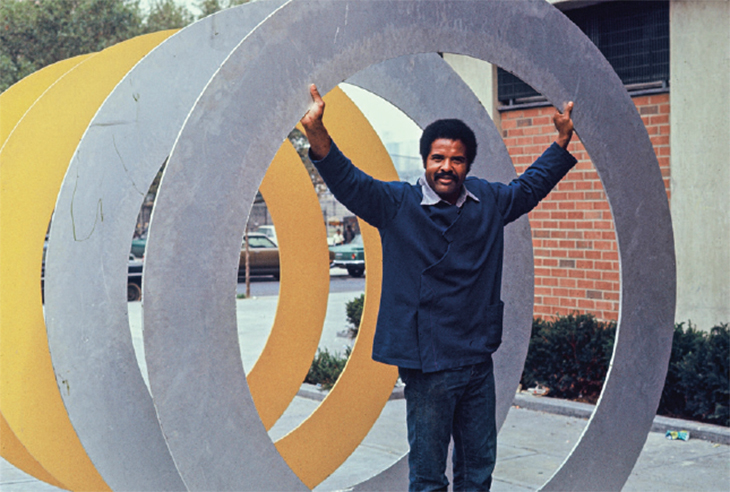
698 378
326 368
354 314
569 355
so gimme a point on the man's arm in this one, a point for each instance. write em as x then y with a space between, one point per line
370 199
525 192
317 134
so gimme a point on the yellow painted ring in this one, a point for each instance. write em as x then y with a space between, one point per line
34 160
304 262
15 453
19 97
14 103
323 442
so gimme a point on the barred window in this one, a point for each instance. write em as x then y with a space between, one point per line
632 35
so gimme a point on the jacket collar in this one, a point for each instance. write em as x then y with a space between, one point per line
430 197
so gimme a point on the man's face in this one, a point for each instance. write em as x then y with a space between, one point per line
446 168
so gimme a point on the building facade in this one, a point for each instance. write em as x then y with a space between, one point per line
674 59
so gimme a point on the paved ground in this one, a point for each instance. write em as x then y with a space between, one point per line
533 442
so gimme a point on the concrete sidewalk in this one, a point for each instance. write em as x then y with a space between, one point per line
537 436
532 445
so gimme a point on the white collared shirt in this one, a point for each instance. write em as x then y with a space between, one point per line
430 197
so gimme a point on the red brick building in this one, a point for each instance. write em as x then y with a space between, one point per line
576 256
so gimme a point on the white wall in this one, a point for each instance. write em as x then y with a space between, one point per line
700 158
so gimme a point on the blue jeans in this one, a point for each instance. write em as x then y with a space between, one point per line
456 402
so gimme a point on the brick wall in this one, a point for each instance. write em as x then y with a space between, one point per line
576 256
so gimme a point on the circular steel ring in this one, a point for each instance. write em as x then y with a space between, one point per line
241 114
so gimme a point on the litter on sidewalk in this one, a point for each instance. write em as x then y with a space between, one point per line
682 435
539 390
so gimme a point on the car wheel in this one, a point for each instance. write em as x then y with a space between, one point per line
134 293
355 271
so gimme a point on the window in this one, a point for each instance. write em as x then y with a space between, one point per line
633 36
259 242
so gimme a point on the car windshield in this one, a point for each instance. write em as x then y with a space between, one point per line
260 242
357 240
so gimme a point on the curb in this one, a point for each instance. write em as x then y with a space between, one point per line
312 392
697 430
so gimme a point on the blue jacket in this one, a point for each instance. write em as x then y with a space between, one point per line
442 266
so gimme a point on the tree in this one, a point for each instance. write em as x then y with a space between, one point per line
166 14
301 145
36 33
208 7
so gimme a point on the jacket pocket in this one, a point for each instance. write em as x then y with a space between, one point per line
493 326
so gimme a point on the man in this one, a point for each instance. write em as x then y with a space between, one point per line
440 315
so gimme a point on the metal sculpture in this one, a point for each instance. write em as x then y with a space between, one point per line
207 418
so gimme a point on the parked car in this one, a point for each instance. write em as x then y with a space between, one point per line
268 231
134 278
138 246
350 256
263 256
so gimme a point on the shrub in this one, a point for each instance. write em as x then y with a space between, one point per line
326 368
354 314
698 380
569 355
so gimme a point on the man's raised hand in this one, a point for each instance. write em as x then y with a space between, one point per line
319 138
564 125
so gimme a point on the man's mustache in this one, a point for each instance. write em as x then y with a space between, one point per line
444 174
